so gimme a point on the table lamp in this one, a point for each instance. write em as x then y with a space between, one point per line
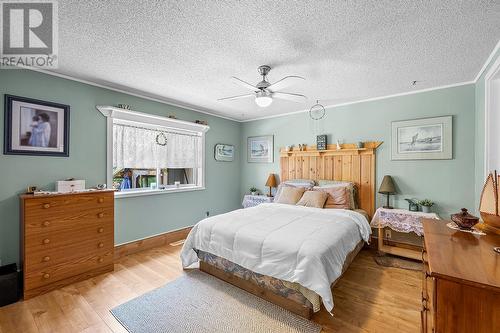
271 182
387 187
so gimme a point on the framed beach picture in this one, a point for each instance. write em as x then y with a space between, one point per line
260 149
422 139
34 127
224 152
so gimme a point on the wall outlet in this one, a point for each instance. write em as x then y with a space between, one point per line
207 214
388 233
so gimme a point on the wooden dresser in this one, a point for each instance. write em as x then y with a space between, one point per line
65 238
461 281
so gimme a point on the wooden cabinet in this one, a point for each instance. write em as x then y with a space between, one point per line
65 238
460 281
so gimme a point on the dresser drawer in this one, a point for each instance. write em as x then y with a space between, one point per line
54 273
69 221
46 207
44 258
49 240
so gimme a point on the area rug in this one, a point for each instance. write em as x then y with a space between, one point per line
391 261
198 302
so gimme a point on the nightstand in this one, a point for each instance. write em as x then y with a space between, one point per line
400 220
254 200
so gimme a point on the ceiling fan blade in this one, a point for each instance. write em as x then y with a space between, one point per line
236 97
244 84
285 82
290 96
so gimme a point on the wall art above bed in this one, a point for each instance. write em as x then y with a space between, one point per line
260 149
422 139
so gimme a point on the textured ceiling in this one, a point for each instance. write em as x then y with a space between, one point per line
186 51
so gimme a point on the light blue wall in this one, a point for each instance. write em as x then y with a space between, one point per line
136 217
450 183
480 128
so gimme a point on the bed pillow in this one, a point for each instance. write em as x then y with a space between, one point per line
352 188
313 199
290 195
337 196
306 184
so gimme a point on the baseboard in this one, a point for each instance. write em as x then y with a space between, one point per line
151 242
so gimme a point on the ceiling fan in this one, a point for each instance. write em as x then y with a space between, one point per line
264 91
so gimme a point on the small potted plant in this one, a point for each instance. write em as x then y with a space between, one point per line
253 190
426 205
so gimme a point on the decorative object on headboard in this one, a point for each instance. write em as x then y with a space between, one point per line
489 205
387 187
338 145
271 182
348 164
321 142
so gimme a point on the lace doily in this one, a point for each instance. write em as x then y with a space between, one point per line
454 226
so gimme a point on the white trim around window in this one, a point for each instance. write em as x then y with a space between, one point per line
113 113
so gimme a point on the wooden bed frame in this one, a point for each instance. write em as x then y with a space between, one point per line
348 164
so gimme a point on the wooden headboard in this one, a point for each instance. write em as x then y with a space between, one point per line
348 164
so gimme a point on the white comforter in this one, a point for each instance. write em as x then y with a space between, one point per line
292 243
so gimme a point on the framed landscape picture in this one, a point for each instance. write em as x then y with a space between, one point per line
34 127
224 152
422 139
260 149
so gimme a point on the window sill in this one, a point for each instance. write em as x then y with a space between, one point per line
119 195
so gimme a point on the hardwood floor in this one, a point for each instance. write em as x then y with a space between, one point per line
369 298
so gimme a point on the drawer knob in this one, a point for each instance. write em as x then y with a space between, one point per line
46 276
100 200
100 230
100 260
46 223
100 244
46 205
100 215
46 241
47 258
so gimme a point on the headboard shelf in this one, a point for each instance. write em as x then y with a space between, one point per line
346 164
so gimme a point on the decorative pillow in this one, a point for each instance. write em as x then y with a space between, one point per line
352 187
313 199
306 186
290 195
338 196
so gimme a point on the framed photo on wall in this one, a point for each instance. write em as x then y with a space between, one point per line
224 152
422 139
260 149
34 127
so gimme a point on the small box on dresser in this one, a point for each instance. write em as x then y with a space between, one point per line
65 238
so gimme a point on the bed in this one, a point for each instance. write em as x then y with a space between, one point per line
290 255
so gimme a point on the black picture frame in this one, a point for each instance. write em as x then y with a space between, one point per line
57 151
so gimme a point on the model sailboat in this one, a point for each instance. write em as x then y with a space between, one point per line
489 205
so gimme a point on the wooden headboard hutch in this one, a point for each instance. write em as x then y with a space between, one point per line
347 164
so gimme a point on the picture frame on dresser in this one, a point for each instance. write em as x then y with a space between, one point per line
35 127
422 139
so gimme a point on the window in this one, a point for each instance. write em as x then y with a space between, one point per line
151 155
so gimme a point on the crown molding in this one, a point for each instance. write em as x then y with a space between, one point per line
488 61
366 100
143 96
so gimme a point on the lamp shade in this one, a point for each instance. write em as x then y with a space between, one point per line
271 180
387 186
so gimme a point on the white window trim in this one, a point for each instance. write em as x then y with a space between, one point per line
111 112
488 108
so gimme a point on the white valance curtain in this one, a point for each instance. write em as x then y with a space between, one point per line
136 147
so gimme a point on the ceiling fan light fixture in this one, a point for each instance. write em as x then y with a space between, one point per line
263 99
